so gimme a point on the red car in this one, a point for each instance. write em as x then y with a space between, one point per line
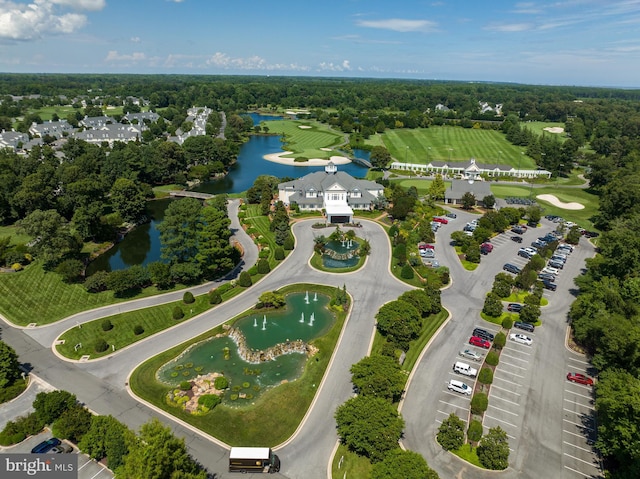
580 379
439 219
477 341
426 246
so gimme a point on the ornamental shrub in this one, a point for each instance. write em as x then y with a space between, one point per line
188 298
406 272
100 346
208 401
245 280
185 385
485 376
500 340
263 266
479 403
289 243
177 313
474 433
221 383
138 330
507 323
106 325
492 358
215 297
451 433
278 253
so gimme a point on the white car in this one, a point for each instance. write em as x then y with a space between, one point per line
521 338
549 269
530 250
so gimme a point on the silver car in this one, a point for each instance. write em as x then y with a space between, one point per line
469 353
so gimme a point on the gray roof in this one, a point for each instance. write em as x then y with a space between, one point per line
458 188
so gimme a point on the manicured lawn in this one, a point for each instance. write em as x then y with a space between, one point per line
469 454
429 327
349 464
274 416
307 142
46 113
459 144
16 236
152 320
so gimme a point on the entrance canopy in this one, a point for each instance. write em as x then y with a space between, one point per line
339 213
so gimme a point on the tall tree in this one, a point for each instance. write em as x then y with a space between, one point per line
379 376
9 365
437 188
127 199
179 230
215 253
53 236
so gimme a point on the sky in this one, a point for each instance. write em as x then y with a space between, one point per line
562 42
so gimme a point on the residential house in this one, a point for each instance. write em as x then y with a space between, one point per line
57 129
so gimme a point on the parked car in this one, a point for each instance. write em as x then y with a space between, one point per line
556 264
524 326
511 268
521 338
486 248
62 449
551 286
427 253
559 258
46 446
426 246
546 277
514 307
532 224
453 216
524 253
482 343
537 244
580 379
483 333
440 219
459 387
464 369
470 354
550 269
518 230
517 239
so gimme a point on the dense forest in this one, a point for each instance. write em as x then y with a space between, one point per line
78 192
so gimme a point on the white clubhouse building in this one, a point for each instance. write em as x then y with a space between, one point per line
335 192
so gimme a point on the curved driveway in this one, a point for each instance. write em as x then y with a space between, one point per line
101 384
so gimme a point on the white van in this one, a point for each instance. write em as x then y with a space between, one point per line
464 368
459 387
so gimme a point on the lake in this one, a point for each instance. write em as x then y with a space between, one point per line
142 245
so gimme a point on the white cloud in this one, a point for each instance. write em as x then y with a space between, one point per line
346 65
510 27
81 4
135 39
399 25
527 8
224 61
29 21
114 56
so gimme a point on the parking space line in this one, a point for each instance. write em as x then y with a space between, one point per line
511 437
579 425
503 399
493 386
513 374
503 410
582 460
590 451
574 434
448 413
466 398
97 473
577 472
516 350
580 404
452 405
505 380
499 420
513 357
502 363
88 462
579 361
578 394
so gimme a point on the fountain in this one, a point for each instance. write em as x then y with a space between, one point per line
306 297
255 322
302 317
341 254
312 318
315 297
264 322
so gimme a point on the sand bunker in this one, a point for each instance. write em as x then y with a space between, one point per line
554 129
561 204
325 149
277 158
304 127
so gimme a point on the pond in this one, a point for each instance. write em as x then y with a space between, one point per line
142 245
305 317
337 254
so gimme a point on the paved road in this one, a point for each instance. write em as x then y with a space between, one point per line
529 400
102 383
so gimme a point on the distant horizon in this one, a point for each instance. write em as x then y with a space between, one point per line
336 77
587 43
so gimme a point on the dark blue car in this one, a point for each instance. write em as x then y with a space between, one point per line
46 446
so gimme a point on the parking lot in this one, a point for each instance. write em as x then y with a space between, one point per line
87 467
579 425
